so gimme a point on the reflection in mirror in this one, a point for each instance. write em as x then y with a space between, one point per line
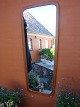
40 30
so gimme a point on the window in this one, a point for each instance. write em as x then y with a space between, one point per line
43 64
30 44
46 43
40 44
51 43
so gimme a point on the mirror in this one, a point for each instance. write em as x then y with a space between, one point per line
40 35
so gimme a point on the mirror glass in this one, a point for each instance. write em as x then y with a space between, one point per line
40 35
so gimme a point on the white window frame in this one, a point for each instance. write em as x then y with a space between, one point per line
30 44
46 43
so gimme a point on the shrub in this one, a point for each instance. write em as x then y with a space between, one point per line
9 98
67 97
47 53
32 80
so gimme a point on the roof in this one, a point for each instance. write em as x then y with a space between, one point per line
33 26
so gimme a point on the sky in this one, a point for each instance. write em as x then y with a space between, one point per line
46 15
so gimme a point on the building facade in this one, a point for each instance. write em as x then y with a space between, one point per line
37 35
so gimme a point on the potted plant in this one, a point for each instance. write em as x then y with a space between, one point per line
10 98
67 97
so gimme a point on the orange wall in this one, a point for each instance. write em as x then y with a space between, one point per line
35 45
12 57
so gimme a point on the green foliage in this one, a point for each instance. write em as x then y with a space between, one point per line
47 53
68 101
33 80
67 97
9 98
